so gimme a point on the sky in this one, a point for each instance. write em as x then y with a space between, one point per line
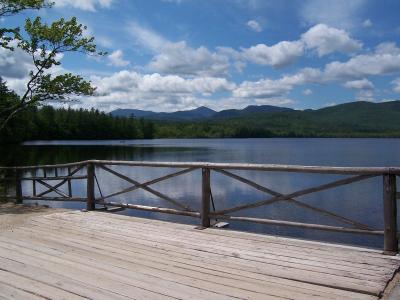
168 55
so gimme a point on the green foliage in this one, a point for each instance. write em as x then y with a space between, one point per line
12 7
46 44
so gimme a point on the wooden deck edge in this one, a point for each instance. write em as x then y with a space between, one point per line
261 235
390 286
316 242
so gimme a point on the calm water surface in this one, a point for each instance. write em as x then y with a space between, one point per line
360 201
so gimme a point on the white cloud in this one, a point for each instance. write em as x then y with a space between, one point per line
387 48
321 38
307 92
179 58
15 64
384 60
116 59
278 55
254 25
362 84
325 40
88 5
265 88
363 66
146 37
396 85
278 88
155 91
367 23
337 13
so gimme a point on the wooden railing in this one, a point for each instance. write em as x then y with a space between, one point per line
354 174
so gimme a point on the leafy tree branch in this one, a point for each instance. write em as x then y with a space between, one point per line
46 44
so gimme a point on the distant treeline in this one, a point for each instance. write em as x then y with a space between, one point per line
48 123
355 119
349 120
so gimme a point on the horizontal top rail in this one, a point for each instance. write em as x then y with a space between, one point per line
236 166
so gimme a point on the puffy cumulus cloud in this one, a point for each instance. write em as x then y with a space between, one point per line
321 38
254 25
387 48
337 13
278 88
384 60
154 91
116 59
325 40
278 55
179 58
396 85
88 5
362 84
363 66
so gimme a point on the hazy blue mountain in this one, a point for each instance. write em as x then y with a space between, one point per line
198 113
193 114
231 113
131 112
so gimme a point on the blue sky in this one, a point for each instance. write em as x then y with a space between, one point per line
175 55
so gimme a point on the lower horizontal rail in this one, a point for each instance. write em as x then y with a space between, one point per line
55 178
301 225
152 208
70 199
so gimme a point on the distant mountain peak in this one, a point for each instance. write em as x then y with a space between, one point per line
204 108
202 112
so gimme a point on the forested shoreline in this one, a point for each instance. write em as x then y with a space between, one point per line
48 123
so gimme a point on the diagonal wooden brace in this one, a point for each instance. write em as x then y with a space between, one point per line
296 194
143 186
294 201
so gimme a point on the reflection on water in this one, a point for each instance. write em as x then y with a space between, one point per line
361 201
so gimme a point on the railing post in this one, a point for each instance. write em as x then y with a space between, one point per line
390 214
91 201
205 203
18 186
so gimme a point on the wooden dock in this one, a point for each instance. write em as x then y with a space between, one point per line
98 255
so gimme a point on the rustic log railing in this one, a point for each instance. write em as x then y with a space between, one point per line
354 174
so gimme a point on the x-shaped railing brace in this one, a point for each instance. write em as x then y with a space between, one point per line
54 188
290 197
145 186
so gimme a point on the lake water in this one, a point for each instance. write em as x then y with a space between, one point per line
361 201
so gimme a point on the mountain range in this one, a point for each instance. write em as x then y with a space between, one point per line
199 113
352 119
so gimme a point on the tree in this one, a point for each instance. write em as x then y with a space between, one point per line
45 44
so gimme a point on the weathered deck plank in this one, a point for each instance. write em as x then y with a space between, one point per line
75 255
